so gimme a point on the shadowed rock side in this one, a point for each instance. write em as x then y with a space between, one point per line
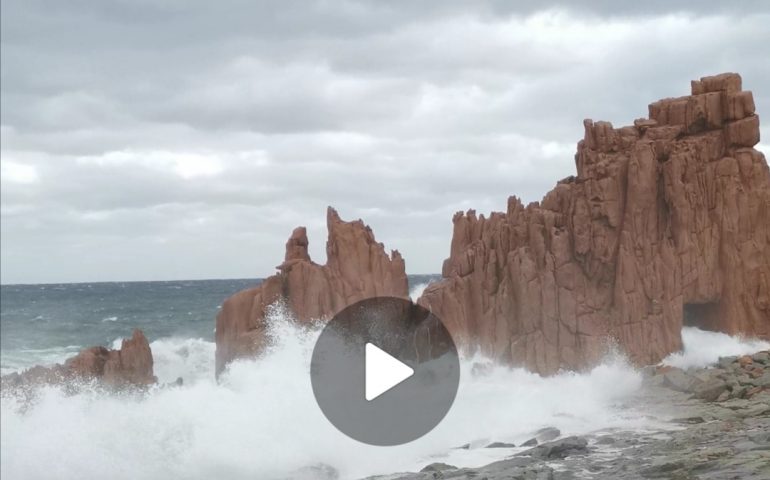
131 365
357 267
667 221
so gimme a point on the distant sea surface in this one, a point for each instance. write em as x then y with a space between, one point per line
44 324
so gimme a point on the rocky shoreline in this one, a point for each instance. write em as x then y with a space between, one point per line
712 423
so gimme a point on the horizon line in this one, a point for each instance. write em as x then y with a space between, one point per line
25 284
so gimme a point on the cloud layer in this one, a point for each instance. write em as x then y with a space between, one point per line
182 139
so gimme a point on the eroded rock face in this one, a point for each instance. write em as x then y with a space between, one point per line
131 365
357 267
667 221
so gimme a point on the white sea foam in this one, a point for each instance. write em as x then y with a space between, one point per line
261 420
416 291
189 358
21 359
703 348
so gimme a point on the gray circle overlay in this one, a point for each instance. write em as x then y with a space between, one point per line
412 335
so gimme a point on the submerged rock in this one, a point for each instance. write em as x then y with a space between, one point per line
664 224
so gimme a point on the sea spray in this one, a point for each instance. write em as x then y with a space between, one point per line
261 420
415 292
702 348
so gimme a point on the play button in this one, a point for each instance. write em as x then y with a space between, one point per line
385 371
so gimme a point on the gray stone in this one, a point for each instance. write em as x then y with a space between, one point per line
764 380
605 440
559 449
530 443
500 445
689 420
662 469
705 375
711 390
547 434
725 395
762 438
754 410
438 467
726 362
676 379
739 391
761 357
737 403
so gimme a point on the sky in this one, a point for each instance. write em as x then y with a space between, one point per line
185 139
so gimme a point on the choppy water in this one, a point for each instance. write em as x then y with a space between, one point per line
261 421
46 323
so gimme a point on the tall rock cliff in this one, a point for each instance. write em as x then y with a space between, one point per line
667 222
357 267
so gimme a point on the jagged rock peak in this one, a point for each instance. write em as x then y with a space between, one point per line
357 267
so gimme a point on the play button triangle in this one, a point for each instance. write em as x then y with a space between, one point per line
383 372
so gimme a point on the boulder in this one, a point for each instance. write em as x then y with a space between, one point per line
761 357
745 361
547 434
438 467
559 449
667 223
543 435
501 445
357 267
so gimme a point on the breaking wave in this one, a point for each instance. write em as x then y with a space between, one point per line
702 348
261 420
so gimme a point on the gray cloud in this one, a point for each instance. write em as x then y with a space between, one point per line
179 139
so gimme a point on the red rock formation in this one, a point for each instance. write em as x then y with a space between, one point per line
130 365
666 220
357 267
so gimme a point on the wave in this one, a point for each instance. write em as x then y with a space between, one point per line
261 420
16 360
416 291
192 359
703 348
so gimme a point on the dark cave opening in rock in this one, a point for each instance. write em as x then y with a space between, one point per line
702 315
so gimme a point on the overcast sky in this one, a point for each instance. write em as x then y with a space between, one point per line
149 140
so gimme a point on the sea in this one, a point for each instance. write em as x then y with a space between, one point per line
260 420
